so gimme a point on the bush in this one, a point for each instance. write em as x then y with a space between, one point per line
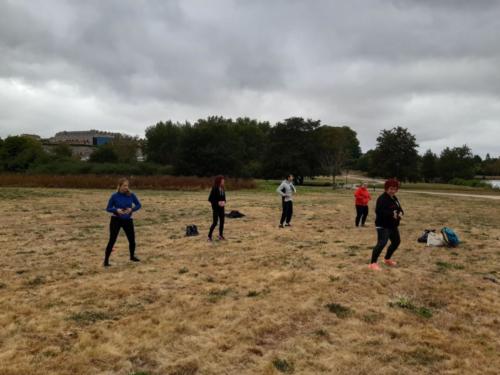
92 181
77 167
469 183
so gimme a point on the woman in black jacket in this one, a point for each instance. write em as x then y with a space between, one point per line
388 213
217 198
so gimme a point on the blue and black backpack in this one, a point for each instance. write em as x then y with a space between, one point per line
450 237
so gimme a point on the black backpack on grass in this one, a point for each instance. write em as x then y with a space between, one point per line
191 230
235 215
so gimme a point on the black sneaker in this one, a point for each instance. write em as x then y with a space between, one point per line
135 259
106 264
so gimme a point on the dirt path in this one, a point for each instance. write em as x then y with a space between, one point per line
497 197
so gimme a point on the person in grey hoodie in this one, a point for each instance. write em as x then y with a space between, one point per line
286 190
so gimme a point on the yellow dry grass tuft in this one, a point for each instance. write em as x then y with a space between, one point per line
268 301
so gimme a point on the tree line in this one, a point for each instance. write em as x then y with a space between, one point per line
247 147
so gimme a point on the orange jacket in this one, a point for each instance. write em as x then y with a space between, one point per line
362 196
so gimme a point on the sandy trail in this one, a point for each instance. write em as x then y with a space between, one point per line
496 197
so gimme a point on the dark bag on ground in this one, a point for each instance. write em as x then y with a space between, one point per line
450 237
235 214
191 230
425 234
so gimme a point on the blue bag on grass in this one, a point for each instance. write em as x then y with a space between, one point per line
450 237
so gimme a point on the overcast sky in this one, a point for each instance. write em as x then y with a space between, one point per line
432 66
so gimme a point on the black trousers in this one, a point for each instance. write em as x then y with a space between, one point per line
114 229
287 212
383 236
361 214
217 214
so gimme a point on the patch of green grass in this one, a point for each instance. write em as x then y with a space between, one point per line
284 366
216 294
39 280
339 310
334 278
373 317
253 293
406 303
183 270
442 266
89 317
423 357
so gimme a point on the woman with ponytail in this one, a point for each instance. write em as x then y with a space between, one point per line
217 199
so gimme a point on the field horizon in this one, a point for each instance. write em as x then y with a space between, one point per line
299 300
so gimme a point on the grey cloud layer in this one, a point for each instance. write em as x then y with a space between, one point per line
427 65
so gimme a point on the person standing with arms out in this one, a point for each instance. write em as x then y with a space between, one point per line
122 204
217 198
362 197
286 190
388 213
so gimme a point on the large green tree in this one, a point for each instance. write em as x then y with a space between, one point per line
162 142
396 155
125 148
104 154
338 148
62 151
254 136
429 166
210 147
457 162
292 149
18 153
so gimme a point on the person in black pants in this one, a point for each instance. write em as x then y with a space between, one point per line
217 198
362 197
122 204
388 213
286 190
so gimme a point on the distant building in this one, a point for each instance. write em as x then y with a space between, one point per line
88 137
83 143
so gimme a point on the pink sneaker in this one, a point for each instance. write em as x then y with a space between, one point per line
390 263
375 267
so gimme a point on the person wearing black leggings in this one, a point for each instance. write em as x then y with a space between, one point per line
362 197
388 213
122 204
217 199
286 190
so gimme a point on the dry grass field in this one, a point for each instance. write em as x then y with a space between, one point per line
299 300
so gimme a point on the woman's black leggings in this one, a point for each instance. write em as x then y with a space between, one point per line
383 236
217 214
361 214
287 212
114 228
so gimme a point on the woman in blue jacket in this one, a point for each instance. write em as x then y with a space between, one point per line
122 204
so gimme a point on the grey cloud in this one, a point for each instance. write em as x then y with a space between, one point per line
428 65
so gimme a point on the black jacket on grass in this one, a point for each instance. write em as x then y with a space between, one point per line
216 195
384 211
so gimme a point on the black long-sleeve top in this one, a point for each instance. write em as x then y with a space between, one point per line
216 195
384 211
